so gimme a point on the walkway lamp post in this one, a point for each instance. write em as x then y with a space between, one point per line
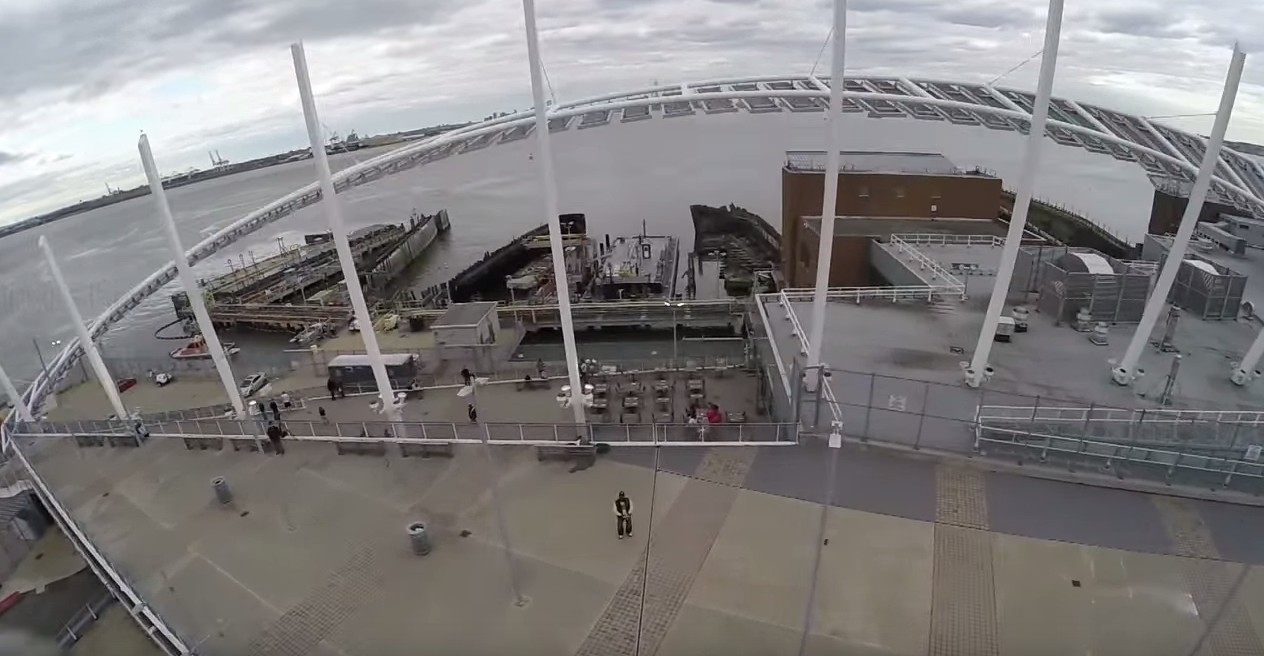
189 282
548 179
829 203
81 329
1126 372
390 406
977 370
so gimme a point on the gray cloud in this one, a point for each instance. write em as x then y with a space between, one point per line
7 158
88 52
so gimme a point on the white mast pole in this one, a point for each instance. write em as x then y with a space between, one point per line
1246 371
829 203
1126 372
548 178
81 329
978 369
188 281
19 406
338 228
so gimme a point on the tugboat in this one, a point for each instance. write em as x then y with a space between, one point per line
196 348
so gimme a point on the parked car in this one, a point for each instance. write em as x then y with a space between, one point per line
253 383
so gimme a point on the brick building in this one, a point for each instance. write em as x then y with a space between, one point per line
879 193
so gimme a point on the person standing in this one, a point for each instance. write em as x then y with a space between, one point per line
539 369
286 401
324 419
332 386
276 411
473 413
274 436
467 377
623 515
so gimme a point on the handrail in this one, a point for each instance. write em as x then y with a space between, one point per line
944 239
1079 414
951 283
901 293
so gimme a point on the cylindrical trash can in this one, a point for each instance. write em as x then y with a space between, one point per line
222 493
419 538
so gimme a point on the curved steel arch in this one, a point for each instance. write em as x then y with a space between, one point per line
878 96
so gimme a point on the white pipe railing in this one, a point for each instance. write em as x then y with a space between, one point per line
948 239
950 282
1081 414
857 294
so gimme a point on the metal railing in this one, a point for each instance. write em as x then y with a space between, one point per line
947 239
407 432
82 621
950 282
857 294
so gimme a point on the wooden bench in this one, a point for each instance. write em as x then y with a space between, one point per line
360 448
89 440
204 443
566 452
427 449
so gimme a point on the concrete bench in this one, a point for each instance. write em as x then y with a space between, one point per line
89 440
360 448
567 452
204 443
427 449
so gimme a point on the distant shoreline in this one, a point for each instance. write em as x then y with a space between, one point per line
122 195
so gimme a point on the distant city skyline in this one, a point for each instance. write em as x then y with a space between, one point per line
201 75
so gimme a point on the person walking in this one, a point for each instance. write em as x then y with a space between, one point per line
276 411
473 413
539 369
274 436
286 401
623 515
467 377
323 418
332 386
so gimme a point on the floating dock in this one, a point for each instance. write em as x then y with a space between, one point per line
300 284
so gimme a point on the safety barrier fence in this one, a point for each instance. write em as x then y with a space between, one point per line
495 433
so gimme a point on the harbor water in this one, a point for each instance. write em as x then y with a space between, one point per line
621 176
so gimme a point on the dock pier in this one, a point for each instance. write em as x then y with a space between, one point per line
300 285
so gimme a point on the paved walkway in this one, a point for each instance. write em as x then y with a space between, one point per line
920 558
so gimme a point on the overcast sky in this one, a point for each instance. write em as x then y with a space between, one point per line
79 79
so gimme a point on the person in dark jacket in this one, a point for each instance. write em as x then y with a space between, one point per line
276 411
332 386
472 412
467 377
623 515
274 436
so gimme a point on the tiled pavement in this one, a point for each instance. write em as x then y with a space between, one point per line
1213 583
677 552
963 595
